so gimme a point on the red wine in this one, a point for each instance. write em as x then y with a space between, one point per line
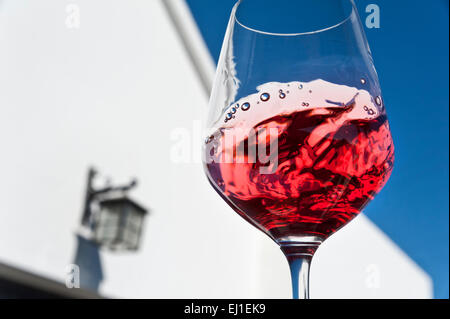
331 160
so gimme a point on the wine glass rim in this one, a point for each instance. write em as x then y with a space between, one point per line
291 34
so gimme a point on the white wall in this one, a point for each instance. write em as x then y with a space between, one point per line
111 93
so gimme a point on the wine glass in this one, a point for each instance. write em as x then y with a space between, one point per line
298 141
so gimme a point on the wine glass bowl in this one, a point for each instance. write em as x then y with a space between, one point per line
298 139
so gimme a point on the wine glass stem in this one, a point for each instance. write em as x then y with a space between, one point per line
299 255
299 265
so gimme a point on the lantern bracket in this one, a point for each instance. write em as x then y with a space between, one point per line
92 194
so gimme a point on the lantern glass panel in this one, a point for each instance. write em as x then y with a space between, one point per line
119 224
134 220
133 228
108 224
131 238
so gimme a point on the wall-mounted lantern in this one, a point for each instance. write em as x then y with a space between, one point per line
111 219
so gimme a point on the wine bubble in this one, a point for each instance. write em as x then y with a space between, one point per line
323 95
265 97
378 100
245 106
369 111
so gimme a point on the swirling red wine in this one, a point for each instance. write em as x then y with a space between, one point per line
301 159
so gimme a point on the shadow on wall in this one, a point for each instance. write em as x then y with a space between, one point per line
87 257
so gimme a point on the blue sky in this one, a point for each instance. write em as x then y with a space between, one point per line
411 53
